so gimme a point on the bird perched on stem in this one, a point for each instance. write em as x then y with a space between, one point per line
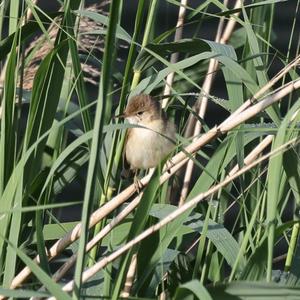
147 145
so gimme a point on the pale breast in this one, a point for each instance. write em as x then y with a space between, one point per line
145 148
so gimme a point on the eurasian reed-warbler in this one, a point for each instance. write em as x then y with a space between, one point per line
147 145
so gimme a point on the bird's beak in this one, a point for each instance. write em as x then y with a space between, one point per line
120 116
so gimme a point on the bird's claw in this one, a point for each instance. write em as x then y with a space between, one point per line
137 184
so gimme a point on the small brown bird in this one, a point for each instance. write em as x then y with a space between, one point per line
145 147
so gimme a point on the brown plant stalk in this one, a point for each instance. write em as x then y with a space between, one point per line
174 56
202 101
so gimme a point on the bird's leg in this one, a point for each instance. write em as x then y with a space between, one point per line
137 183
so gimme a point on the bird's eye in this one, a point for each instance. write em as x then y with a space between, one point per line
140 113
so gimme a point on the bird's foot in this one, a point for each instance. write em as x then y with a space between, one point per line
137 184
